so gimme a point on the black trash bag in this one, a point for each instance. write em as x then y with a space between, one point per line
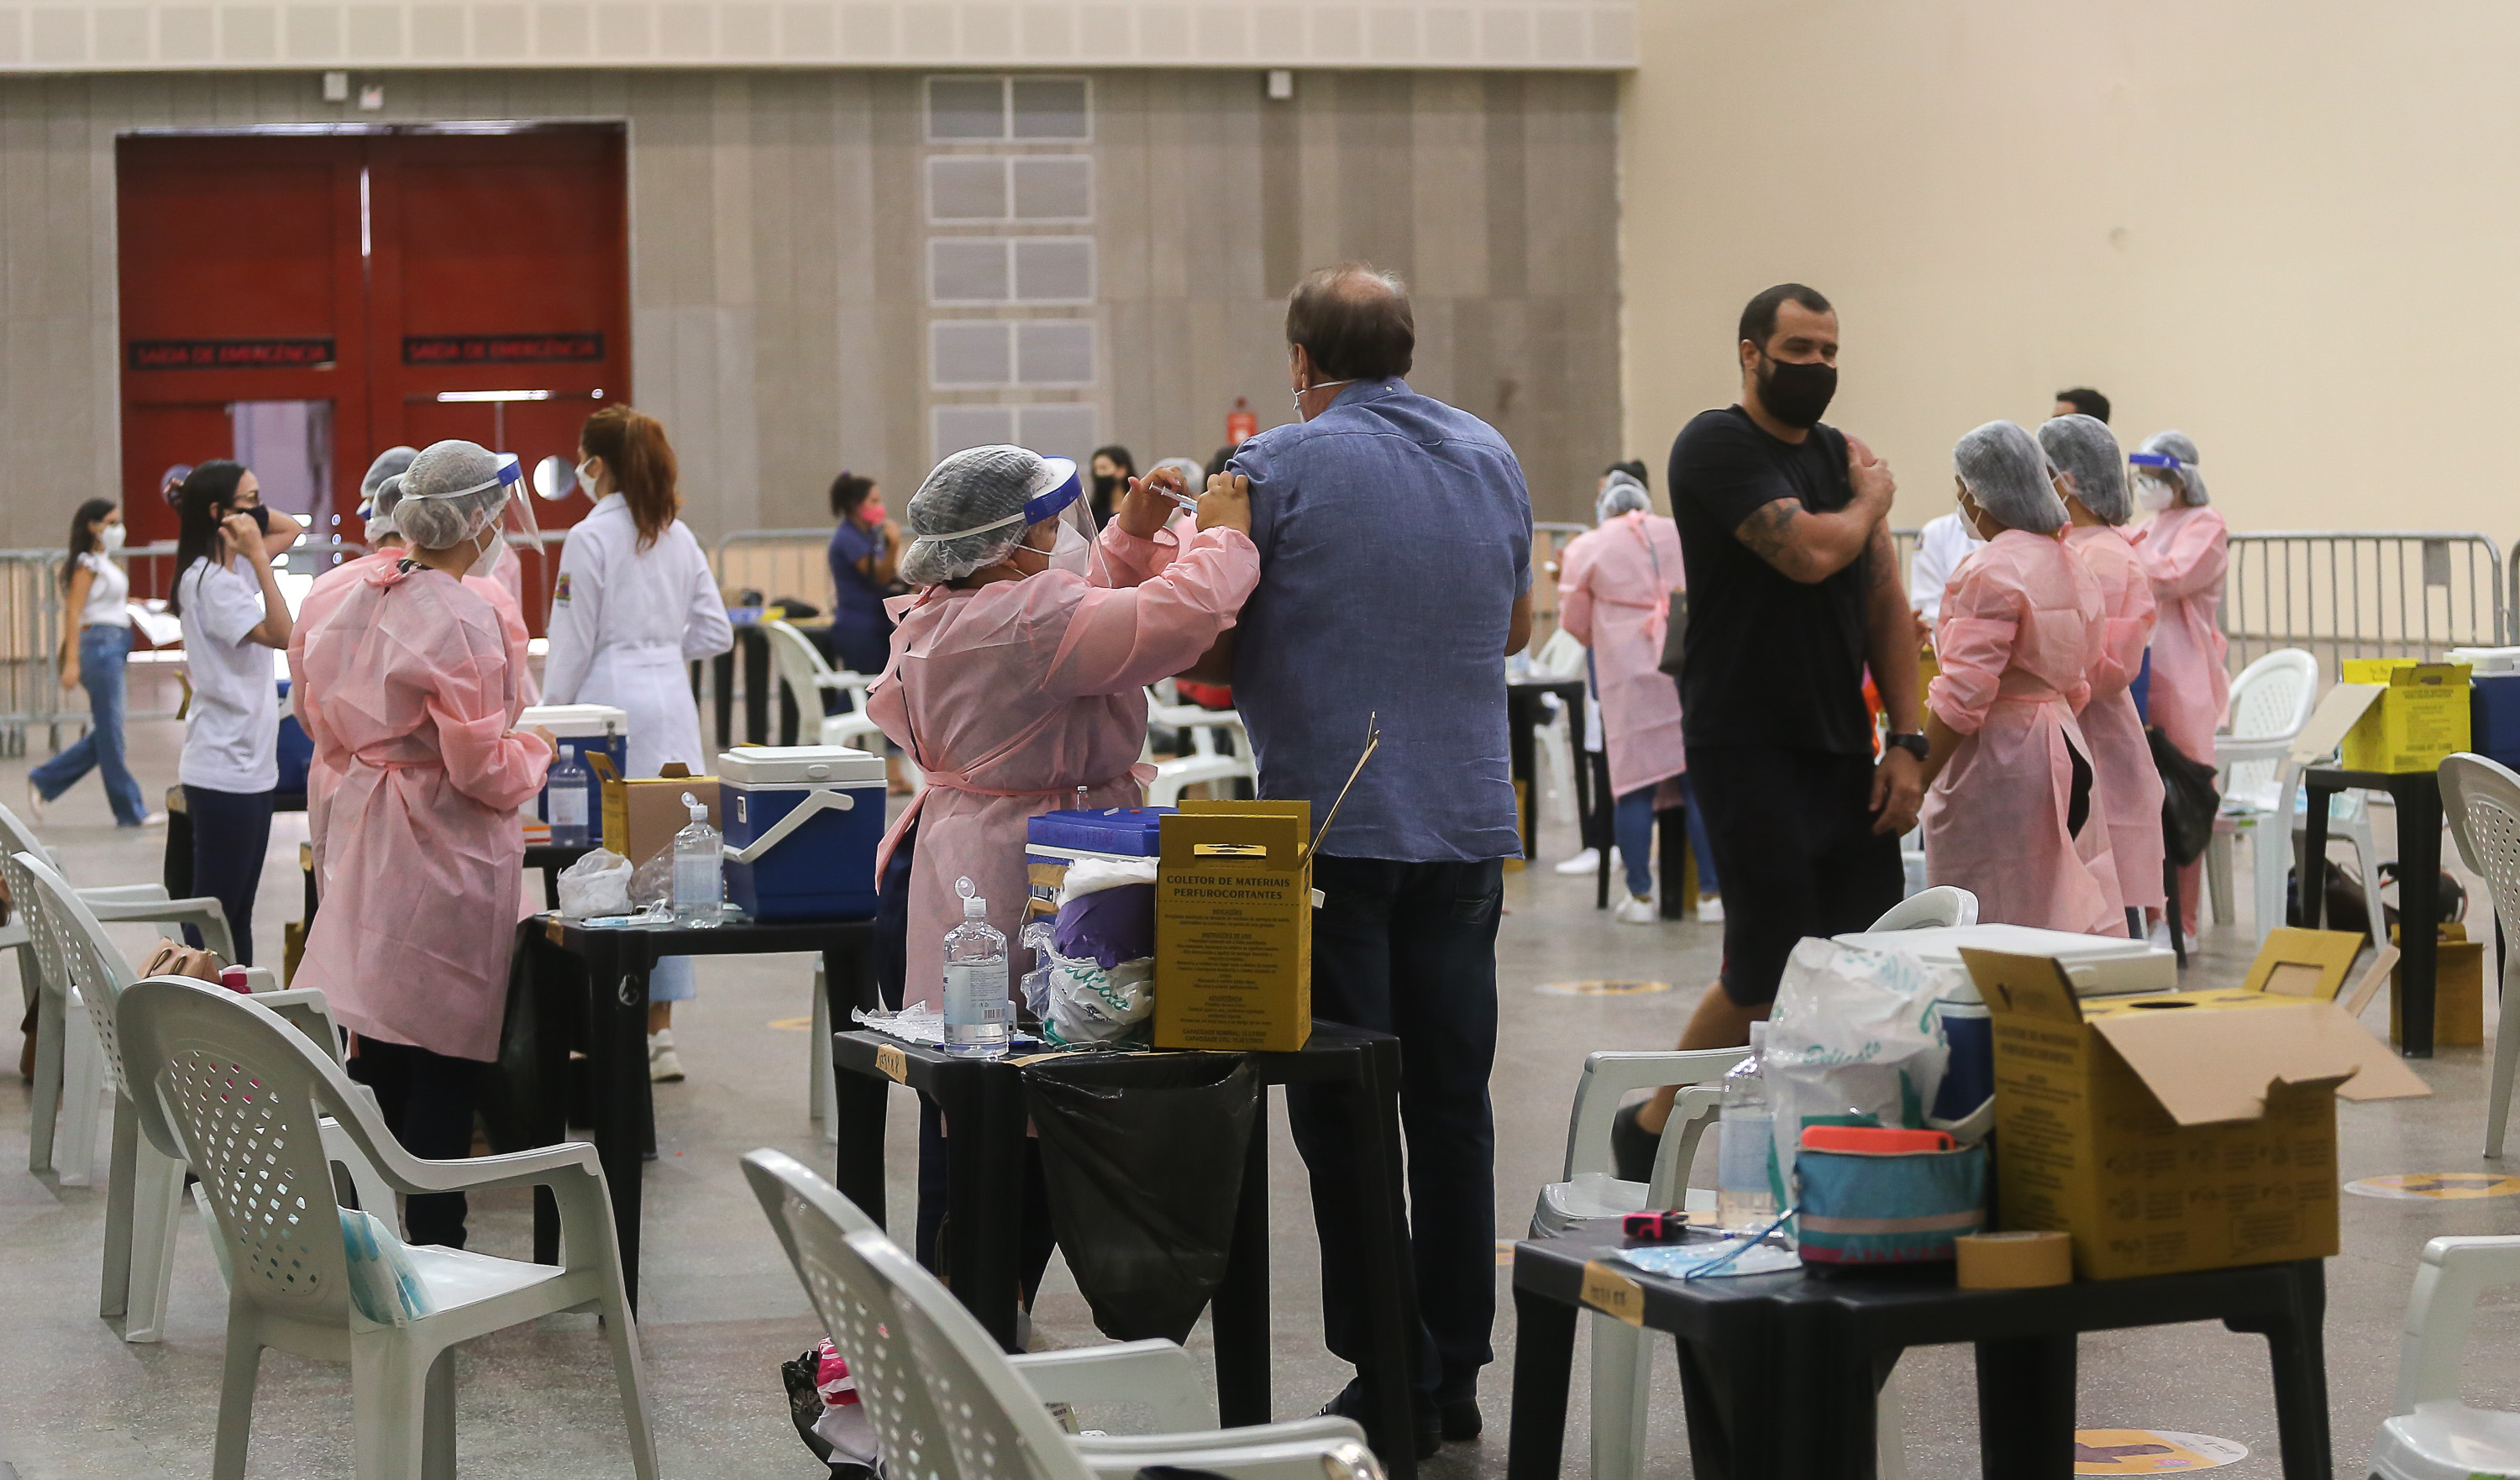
1144 1158
2189 800
2449 896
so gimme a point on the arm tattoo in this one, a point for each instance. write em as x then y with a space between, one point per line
1769 530
1883 556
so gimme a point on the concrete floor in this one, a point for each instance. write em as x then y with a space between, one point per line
722 1309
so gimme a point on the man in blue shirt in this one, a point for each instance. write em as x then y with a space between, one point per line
1395 575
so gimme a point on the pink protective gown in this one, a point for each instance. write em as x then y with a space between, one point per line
1614 588
1014 694
415 689
2185 551
324 768
2021 622
2119 751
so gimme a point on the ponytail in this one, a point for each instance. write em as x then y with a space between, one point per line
634 449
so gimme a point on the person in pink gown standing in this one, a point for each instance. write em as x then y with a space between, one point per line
2095 484
2012 808
2187 549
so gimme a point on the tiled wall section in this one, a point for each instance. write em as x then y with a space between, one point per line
777 240
1413 33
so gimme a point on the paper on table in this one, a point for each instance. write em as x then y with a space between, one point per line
923 1024
160 629
1677 1261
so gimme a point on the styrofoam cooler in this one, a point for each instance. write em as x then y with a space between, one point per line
802 824
1055 840
2098 965
582 730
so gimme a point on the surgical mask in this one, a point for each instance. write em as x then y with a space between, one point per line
1309 389
485 547
1796 391
872 510
1069 551
586 480
111 537
2154 494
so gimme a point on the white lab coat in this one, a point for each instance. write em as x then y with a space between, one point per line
623 623
1940 546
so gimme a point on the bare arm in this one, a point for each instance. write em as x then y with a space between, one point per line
74 600
283 533
1809 546
882 563
1518 635
1891 646
276 626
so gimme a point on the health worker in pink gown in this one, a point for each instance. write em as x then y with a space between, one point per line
2097 500
414 683
2012 810
2185 548
1018 672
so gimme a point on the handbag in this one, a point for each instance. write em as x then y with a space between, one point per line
2189 800
173 957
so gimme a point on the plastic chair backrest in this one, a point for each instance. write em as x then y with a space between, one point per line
997 1425
2272 697
801 668
1561 656
2481 798
228 1086
815 1223
27 909
17 837
1943 905
81 954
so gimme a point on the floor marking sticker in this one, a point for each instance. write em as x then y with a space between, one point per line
2150 1452
1600 988
1504 1252
793 1024
2437 1185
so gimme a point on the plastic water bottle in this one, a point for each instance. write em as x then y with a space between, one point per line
980 1016
564 798
700 873
1744 1199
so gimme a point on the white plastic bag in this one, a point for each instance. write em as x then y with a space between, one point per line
598 883
1854 1040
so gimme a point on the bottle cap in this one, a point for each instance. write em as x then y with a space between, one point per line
699 813
974 906
1758 1036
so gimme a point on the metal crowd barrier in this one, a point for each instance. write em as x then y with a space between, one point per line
30 645
778 562
2347 594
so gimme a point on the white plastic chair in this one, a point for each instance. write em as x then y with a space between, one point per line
2480 799
144 1190
813 683
1204 762
70 1074
860 1284
2270 700
235 1086
2430 1434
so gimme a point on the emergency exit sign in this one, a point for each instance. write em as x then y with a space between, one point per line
231 354
501 348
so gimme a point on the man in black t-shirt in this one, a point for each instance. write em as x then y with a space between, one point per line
1793 593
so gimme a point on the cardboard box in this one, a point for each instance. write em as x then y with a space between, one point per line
1233 927
2306 964
641 817
2191 1130
2458 989
2419 720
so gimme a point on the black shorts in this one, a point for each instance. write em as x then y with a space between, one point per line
1792 833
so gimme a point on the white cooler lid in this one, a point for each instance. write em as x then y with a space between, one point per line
2112 964
799 765
575 721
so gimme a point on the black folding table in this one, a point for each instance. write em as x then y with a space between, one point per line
2417 794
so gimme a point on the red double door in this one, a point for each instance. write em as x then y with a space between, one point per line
372 289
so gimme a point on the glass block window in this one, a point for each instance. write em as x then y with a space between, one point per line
973 271
985 354
966 109
1065 430
988 188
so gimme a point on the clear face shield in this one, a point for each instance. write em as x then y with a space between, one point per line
2157 481
1058 497
515 512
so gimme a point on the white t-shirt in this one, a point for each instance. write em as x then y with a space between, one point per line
109 593
1940 546
232 741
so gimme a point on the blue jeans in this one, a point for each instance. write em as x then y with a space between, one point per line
101 652
1631 824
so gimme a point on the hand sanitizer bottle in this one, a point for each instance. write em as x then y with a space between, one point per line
700 875
1745 1201
980 1016
564 795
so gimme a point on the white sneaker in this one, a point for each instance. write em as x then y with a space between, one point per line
1586 861
664 1066
1637 910
1710 909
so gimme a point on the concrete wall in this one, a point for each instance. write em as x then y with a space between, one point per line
777 244
2278 227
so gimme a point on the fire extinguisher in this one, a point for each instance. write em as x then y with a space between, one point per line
1240 423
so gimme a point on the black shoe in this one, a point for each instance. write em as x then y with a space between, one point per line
1632 1146
1461 1421
1350 1404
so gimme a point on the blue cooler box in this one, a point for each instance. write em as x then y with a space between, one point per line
583 730
820 867
1055 840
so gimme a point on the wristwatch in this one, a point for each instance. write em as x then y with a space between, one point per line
1914 745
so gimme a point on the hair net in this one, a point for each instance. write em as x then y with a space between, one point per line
2085 449
1620 494
451 492
2006 473
2171 456
970 512
391 461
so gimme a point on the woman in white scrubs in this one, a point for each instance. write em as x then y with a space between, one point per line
634 603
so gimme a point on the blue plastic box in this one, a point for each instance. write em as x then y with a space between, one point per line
2493 717
823 868
583 730
1054 840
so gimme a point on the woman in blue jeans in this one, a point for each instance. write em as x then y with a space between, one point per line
93 649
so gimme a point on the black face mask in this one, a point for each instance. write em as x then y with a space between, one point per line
1796 393
1104 487
259 514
